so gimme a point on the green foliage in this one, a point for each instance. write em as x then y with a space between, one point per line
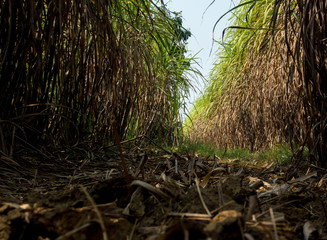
250 25
280 154
246 103
267 86
70 69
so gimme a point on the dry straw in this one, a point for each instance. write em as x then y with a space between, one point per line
68 69
267 86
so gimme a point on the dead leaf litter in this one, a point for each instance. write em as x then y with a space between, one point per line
170 196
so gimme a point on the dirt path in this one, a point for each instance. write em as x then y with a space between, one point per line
85 196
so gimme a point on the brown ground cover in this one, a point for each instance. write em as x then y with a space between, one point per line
84 195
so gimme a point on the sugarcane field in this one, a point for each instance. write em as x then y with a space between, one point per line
103 137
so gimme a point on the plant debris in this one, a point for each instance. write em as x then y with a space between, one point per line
171 196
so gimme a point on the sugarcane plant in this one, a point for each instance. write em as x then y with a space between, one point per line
267 85
69 69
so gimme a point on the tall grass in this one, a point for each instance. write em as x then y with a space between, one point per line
68 69
266 86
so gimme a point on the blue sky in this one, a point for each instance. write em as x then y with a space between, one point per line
201 28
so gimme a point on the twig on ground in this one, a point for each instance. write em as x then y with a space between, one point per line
201 198
130 237
193 216
150 188
103 227
34 179
70 233
141 165
274 223
116 136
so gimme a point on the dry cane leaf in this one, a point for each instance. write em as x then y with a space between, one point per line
205 180
278 190
309 231
150 188
303 178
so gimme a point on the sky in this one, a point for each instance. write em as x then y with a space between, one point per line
201 27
